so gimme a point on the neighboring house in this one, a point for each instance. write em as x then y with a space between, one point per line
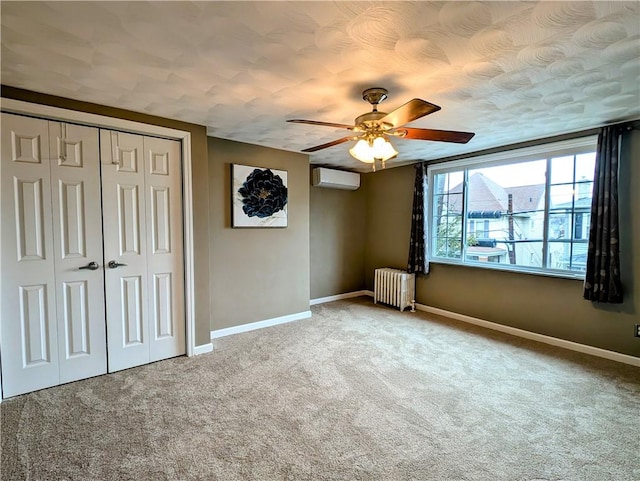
504 224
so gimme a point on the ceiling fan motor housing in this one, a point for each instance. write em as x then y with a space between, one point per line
372 119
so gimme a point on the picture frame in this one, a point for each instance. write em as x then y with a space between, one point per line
259 197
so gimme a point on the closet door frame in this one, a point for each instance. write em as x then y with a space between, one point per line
94 120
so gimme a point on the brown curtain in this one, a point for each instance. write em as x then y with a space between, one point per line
602 280
418 262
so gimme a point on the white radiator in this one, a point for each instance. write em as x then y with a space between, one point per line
394 287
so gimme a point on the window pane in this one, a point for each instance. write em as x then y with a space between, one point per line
448 236
579 257
454 248
561 197
559 255
448 221
584 192
444 183
562 170
448 247
454 204
528 254
581 225
447 205
520 173
560 225
529 226
567 256
585 166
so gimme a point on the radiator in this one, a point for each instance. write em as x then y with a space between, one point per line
394 287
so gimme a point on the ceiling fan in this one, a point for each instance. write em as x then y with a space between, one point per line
373 129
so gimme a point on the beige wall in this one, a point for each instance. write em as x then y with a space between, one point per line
200 186
257 273
545 305
337 240
389 204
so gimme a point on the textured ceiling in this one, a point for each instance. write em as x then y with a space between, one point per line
508 71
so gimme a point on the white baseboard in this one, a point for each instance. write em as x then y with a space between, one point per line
203 349
554 341
338 297
252 326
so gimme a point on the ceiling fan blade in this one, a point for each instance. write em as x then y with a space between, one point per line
436 135
317 122
412 110
329 144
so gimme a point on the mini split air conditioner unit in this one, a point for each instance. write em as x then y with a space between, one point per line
335 179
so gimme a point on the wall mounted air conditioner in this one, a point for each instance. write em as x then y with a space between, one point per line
335 179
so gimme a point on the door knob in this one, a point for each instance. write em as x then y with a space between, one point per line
92 266
114 264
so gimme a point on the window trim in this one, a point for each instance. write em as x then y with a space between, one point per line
543 151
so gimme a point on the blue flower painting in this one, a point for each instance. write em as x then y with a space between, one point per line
260 197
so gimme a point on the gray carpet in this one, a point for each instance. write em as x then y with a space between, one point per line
357 392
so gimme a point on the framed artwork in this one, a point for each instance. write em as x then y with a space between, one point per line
259 197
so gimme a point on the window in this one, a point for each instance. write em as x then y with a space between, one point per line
526 210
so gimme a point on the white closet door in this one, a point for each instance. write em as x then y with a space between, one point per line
77 241
53 327
61 187
142 215
29 334
165 261
125 249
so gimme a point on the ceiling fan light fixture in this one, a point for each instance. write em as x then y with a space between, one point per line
383 150
363 152
368 151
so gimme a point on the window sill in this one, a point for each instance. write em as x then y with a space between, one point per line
505 268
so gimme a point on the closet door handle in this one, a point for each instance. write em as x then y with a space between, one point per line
115 265
92 266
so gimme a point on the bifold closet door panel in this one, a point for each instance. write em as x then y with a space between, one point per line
165 260
125 249
53 326
28 325
77 241
142 215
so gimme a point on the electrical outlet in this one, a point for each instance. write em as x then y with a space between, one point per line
637 331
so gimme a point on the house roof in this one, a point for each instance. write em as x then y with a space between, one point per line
486 195
526 197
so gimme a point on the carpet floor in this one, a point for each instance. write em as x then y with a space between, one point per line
357 392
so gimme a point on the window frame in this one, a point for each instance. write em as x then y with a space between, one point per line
543 151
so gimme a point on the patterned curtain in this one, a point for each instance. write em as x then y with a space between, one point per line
602 281
418 261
